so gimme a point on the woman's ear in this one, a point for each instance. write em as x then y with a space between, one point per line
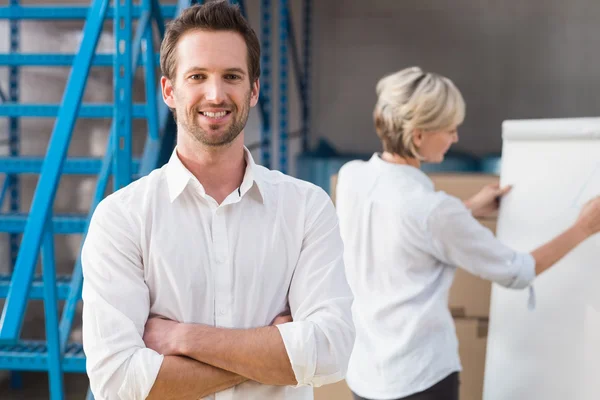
418 137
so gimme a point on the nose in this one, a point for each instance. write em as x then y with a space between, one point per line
215 92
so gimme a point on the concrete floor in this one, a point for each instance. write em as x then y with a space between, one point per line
35 387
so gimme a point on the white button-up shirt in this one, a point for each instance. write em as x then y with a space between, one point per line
403 242
162 246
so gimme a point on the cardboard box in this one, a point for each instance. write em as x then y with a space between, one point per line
335 391
332 187
462 186
469 296
472 343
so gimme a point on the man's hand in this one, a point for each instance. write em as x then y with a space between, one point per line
487 200
160 335
283 317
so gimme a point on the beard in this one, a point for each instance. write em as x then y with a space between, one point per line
229 132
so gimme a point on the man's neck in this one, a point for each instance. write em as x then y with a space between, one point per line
220 170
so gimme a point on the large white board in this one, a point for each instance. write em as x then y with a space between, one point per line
551 352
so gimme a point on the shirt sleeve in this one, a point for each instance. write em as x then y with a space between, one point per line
115 308
320 339
459 239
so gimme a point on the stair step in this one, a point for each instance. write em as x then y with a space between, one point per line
73 166
68 12
37 287
63 224
32 355
58 60
99 110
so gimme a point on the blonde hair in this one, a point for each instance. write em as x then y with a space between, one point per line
411 99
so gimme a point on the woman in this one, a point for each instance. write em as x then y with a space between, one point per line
403 241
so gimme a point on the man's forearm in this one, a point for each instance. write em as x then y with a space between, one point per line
258 354
184 378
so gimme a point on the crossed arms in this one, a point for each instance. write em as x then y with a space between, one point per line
132 357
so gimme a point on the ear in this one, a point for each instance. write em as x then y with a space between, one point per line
254 92
418 137
167 92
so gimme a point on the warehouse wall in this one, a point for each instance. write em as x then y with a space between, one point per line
533 59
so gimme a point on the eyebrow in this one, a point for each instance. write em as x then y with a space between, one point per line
228 70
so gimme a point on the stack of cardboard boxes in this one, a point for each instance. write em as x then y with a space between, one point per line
469 300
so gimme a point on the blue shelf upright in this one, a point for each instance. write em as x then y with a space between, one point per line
288 48
284 23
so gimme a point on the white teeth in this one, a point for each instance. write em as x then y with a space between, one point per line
219 114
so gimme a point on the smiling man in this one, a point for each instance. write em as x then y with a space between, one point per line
213 276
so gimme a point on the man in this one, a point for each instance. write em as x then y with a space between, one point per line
189 272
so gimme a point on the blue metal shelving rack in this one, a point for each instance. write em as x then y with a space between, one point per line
32 234
288 48
56 355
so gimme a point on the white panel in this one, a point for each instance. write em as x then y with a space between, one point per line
546 353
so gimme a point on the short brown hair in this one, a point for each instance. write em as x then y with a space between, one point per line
212 16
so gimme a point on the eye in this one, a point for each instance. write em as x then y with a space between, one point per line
196 77
232 77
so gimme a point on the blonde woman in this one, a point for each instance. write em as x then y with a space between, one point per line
403 241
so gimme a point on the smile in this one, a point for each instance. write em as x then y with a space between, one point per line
219 114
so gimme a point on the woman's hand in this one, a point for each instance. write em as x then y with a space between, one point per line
589 217
487 200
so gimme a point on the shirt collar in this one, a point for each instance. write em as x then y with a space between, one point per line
401 169
178 177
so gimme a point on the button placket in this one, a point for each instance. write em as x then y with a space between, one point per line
222 273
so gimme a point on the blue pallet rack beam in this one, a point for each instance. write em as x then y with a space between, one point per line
53 110
37 287
65 224
55 60
60 12
29 355
14 308
72 166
